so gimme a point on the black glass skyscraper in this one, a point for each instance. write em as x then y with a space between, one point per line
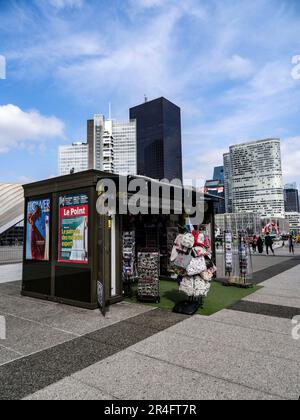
159 149
291 198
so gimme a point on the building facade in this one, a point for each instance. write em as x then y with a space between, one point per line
112 145
227 183
73 158
219 174
125 147
159 148
294 221
291 198
256 178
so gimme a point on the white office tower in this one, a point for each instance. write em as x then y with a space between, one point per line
125 147
227 182
107 148
294 221
256 178
73 158
112 145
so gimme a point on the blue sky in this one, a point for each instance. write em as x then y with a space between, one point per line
227 66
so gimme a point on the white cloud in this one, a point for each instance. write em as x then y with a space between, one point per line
290 149
62 4
238 67
21 128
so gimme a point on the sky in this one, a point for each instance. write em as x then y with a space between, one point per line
229 67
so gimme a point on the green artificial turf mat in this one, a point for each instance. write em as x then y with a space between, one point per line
220 297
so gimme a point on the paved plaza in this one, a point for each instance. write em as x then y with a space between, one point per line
247 351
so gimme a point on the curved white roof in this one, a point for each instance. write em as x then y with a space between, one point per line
11 205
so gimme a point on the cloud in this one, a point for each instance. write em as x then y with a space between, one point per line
238 67
19 128
290 149
62 4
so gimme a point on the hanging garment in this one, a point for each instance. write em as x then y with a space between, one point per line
174 254
196 266
188 241
178 243
207 275
199 251
194 287
182 260
201 240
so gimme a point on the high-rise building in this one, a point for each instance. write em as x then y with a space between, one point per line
216 188
125 153
73 158
294 221
219 174
112 145
291 198
256 178
159 149
227 183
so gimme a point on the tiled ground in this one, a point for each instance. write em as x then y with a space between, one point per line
140 354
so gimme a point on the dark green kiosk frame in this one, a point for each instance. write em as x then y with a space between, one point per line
76 284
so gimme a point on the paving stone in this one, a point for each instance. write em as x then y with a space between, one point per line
266 309
28 375
7 355
69 389
129 376
272 299
122 335
268 374
241 338
27 337
253 321
158 319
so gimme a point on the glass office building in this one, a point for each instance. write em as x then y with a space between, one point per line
159 149
291 198
73 158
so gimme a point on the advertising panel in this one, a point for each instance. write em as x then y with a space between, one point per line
38 230
73 229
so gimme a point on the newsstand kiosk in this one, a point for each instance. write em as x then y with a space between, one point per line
73 255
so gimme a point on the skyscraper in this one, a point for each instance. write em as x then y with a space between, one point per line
227 183
291 198
124 135
73 158
256 178
112 145
216 187
219 173
159 149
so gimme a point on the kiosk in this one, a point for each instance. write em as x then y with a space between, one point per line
72 255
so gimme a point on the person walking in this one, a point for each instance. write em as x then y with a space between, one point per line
269 244
291 245
254 244
260 245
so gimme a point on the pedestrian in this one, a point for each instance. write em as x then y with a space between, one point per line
291 245
269 244
260 245
254 244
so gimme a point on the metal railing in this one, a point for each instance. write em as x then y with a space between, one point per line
11 254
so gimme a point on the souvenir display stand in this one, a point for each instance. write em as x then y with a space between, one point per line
237 260
148 270
192 260
130 274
